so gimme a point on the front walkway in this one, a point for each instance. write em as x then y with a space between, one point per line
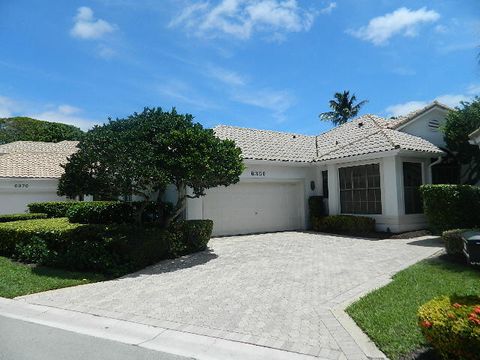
276 290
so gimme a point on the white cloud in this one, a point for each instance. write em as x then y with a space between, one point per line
182 92
242 18
7 107
402 21
226 76
474 90
277 101
66 114
329 8
451 100
86 27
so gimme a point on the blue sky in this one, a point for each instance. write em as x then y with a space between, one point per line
269 64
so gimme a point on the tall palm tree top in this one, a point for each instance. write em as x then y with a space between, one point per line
343 108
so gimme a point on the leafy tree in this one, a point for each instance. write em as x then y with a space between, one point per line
142 154
27 129
343 108
458 125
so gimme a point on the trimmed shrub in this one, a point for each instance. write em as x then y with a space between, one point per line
452 326
53 209
451 206
453 241
113 249
316 206
18 217
345 224
189 236
101 212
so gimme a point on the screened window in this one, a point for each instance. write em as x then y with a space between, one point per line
412 179
360 189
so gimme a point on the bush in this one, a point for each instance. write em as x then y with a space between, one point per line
452 326
453 241
18 217
345 224
316 206
189 236
53 209
113 249
451 206
101 212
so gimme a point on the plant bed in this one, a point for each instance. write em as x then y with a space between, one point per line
389 315
20 279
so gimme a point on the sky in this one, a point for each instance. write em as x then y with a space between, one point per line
266 64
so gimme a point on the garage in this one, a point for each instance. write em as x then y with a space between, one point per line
253 207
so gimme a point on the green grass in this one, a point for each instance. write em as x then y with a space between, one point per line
389 315
19 279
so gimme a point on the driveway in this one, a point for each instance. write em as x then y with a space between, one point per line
276 290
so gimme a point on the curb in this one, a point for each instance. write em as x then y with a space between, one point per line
198 347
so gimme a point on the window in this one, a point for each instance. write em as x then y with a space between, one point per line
360 189
325 183
412 179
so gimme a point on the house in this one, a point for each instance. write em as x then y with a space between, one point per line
29 172
371 166
475 137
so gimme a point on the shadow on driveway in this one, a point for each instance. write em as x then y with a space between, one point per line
170 265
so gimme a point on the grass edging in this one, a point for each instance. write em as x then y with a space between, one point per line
389 315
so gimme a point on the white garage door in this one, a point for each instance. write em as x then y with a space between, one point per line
255 207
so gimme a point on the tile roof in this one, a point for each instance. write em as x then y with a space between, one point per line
29 159
269 145
365 135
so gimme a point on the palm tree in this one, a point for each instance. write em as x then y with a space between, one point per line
343 108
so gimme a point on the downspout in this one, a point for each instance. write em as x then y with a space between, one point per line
436 162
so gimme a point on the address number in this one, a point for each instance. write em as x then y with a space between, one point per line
257 173
21 186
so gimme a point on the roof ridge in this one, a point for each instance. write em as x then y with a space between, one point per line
263 130
390 140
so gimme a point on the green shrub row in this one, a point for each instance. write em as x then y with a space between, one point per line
102 212
18 217
53 209
344 224
452 326
113 249
451 206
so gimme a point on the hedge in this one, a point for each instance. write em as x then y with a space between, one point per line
452 326
451 206
18 217
53 209
345 224
113 249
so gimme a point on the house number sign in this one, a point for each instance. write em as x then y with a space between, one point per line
20 186
257 173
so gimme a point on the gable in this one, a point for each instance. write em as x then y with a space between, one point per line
427 126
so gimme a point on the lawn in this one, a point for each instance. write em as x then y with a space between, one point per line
388 315
19 279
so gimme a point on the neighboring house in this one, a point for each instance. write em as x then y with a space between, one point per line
29 172
475 137
370 166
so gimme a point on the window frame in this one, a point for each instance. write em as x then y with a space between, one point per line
361 195
412 209
325 190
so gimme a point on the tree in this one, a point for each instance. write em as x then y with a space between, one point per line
27 129
142 154
458 125
343 108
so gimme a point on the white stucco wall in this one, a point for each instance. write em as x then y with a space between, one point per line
419 127
15 194
273 172
393 217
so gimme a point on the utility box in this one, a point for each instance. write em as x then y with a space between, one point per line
471 246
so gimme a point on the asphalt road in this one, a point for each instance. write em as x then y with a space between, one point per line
20 340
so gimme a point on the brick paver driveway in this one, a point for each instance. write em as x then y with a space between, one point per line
274 290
